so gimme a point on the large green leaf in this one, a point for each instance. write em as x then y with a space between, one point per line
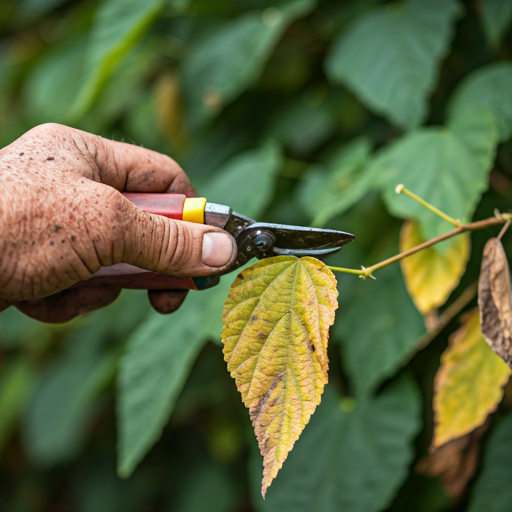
493 492
377 327
49 98
487 88
325 194
154 367
60 412
16 383
246 181
118 25
445 166
390 56
496 16
232 57
348 458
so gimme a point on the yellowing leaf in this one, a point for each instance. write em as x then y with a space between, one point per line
430 275
276 326
468 385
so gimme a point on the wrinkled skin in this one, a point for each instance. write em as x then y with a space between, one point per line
62 217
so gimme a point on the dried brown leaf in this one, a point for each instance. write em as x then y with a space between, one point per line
494 300
455 462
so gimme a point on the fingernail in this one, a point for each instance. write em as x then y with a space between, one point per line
217 249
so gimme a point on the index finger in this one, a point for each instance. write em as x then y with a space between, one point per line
125 167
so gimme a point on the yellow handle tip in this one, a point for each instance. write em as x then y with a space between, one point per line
193 209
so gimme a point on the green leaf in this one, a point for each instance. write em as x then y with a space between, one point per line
493 492
496 16
230 59
60 412
390 57
246 181
486 88
16 384
303 126
377 326
349 458
206 487
154 367
276 327
327 194
447 167
118 26
49 98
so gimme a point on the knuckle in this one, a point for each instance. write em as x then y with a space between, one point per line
47 129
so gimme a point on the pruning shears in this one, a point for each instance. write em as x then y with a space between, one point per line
254 239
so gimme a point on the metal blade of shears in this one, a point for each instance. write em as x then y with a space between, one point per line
263 240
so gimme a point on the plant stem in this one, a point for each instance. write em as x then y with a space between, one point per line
504 229
473 226
400 189
448 315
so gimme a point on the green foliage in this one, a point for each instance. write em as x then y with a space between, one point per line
118 25
353 455
492 492
496 17
447 167
390 56
231 58
375 350
304 112
326 193
246 181
486 88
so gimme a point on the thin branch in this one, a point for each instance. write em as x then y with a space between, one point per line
448 315
400 189
504 229
473 226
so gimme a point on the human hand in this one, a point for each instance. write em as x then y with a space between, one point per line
62 217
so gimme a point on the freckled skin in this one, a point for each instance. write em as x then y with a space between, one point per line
62 217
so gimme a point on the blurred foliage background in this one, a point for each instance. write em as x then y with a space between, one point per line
290 111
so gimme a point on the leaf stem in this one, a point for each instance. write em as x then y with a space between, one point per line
448 315
504 229
500 218
400 189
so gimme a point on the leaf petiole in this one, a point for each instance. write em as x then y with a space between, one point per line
400 189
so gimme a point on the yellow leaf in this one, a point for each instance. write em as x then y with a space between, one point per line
276 327
468 385
430 275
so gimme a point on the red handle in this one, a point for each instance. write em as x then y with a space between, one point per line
167 205
123 275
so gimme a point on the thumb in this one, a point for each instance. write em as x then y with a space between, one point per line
174 247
